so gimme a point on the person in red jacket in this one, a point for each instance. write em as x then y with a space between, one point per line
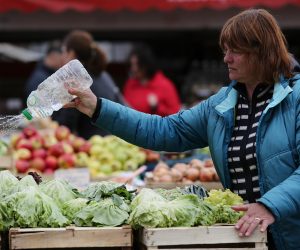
148 89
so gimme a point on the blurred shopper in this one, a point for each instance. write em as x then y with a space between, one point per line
252 127
148 89
80 45
44 68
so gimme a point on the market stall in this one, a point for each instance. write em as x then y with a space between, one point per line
179 202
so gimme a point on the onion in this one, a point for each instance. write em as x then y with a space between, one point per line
181 167
176 174
161 165
160 172
208 163
196 163
192 174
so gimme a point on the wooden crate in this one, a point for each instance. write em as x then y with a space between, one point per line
71 237
209 238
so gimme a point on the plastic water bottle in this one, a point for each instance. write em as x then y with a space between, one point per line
52 94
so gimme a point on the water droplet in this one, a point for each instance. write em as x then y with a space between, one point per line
10 123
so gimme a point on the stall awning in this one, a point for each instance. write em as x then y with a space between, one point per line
135 5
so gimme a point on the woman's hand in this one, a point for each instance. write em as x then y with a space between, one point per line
85 101
256 215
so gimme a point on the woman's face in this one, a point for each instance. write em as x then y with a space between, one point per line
67 55
135 70
239 66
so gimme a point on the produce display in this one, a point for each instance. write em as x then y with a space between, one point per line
24 203
30 202
47 150
195 170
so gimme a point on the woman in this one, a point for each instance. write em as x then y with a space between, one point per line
148 89
80 45
252 127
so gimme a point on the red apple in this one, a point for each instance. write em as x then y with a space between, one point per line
85 147
77 142
22 166
15 138
67 161
23 154
41 153
67 147
56 149
62 133
30 131
49 140
36 141
38 163
24 143
51 162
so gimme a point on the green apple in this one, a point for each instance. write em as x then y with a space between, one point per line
106 169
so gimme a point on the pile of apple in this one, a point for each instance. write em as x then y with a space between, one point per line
111 154
45 151
48 150
195 170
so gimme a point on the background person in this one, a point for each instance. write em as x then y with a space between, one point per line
252 127
80 45
148 89
45 68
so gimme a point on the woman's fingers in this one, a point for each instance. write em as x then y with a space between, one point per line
240 208
252 226
69 105
247 225
264 225
76 92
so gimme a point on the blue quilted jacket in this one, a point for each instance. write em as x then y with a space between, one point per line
210 123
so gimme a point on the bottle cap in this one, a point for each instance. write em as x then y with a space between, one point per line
27 114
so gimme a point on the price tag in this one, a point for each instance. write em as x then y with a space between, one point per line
77 177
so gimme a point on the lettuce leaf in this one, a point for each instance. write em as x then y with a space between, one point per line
100 190
7 183
220 197
26 181
60 190
150 209
30 208
71 207
106 212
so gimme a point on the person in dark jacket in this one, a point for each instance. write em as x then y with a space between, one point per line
80 45
45 68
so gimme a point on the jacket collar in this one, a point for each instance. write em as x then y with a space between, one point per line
281 90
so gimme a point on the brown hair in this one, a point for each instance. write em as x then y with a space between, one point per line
86 50
256 33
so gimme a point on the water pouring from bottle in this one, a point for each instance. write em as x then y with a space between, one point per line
10 123
51 95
